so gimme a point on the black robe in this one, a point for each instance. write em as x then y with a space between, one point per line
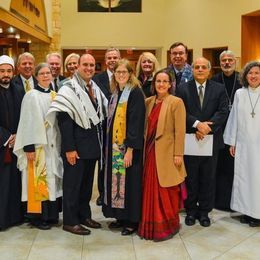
10 177
135 116
225 166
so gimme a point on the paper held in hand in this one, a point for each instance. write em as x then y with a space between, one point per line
198 148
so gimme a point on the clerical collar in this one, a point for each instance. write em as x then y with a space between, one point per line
42 89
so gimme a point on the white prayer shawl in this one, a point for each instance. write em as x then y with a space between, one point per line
32 130
73 99
243 132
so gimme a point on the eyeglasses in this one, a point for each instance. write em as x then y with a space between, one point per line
162 81
123 72
175 53
203 67
44 73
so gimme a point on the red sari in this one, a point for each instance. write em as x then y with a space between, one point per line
160 208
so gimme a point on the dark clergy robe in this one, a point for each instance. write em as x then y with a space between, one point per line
10 177
225 165
135 116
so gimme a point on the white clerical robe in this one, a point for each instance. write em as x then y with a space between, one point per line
243 132
33 129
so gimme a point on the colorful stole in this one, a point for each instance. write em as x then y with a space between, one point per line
118 147
37 182
37 178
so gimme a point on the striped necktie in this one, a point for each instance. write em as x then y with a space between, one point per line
27 86
201 95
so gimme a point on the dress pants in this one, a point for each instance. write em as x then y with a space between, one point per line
77 190
200 182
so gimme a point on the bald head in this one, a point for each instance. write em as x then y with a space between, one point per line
201 69
86 67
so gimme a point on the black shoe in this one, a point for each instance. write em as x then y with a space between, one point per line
204 221
127 231
91 223
244 219
254 222
190 220
115 224
54 222
77 229
99 201
40 224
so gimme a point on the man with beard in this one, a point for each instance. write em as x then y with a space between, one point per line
179 68
54 61
225 167
103 79
10 177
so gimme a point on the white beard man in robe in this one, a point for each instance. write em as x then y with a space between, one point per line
10 177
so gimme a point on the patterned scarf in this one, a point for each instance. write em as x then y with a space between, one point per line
118 147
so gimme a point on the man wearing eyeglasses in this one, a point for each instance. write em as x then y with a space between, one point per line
206 111
179 67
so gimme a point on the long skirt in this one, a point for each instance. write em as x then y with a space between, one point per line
160 207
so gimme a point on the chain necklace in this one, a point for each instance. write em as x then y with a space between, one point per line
252 106
232 91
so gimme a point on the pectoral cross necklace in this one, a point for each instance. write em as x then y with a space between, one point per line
253 106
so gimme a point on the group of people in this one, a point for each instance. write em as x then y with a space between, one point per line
133 125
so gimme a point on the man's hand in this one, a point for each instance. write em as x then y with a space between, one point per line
11 141
199 135
72 157
204 127
232 150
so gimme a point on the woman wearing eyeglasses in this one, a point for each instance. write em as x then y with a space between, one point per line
163 161
37 148
124 150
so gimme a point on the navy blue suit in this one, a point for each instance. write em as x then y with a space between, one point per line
201 169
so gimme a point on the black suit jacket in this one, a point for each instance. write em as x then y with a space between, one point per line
102 80
214 109
19 92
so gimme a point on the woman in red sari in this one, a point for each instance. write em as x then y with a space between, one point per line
163 166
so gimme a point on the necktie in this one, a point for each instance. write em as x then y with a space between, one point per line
178 78
55 85
91 92
27 86
201 96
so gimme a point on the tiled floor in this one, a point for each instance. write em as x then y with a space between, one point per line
226 238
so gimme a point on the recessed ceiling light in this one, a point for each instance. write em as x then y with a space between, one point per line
11 29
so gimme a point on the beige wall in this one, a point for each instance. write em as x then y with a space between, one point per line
5 4
198 23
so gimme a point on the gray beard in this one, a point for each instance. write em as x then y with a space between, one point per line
5 85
